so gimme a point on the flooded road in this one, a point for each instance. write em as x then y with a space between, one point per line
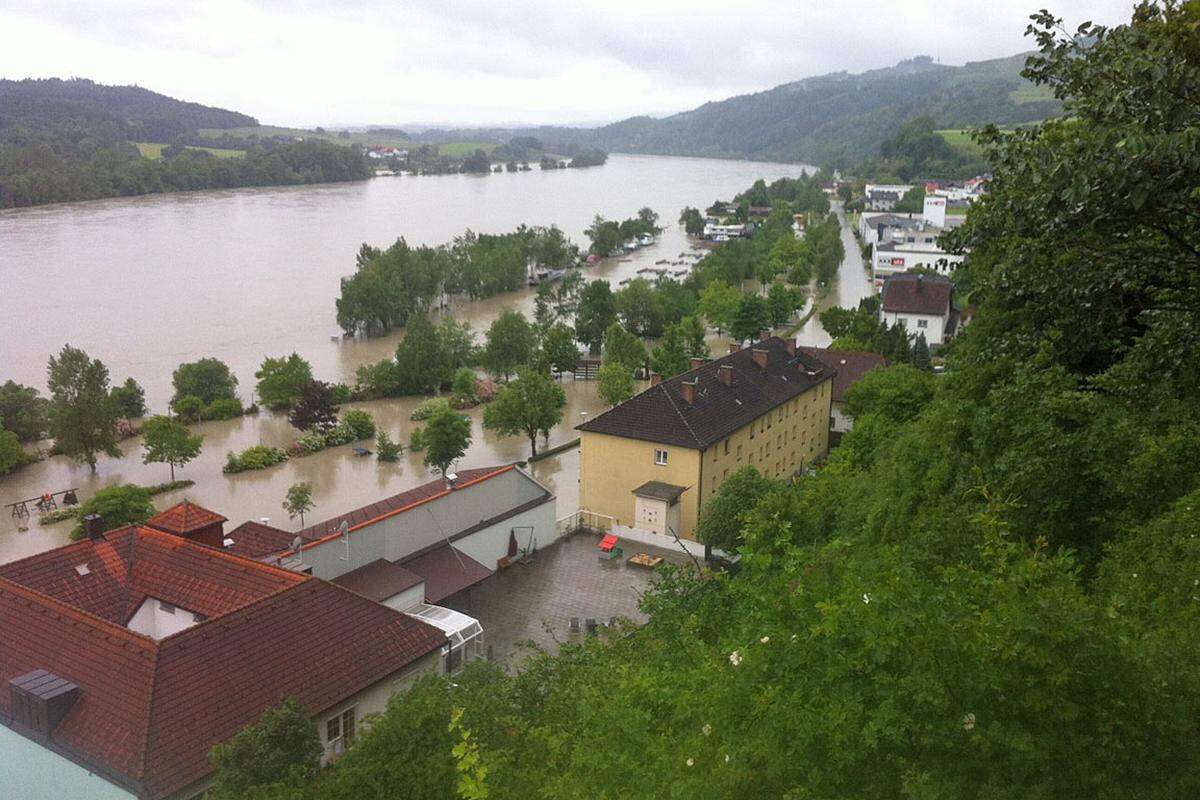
147 283
852 284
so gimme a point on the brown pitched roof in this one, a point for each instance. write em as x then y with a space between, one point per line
446 570
184 517
918 293
851 365
255 540
661 414
149 711
379 580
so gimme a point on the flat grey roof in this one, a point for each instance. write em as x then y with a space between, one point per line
657 490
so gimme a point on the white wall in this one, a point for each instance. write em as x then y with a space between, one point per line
373 699
489 545
150 619
842 421
934 329
407 599
891 262
29 771
402 535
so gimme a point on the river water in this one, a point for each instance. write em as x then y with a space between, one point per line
147 283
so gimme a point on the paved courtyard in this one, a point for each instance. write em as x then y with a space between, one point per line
536 601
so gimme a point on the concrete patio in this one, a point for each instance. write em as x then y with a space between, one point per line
536 601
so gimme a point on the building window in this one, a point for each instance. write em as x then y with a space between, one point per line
660 457
166 608
922 323
339 731
727 446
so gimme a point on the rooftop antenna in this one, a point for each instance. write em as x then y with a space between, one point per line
298 549
446 538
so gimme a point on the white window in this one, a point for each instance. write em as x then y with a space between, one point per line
165 607
922 323
660 457
339 731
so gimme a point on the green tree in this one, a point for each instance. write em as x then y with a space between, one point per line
559 349
511 342
12 455
280 751
282 381
299 501
640 308
446 437
530 404
209 379
721 517
719 304
919 357
898 393
386 449
314 409
23 411
623 347
691 330
422 365
360 422
782 302
82 414
130 399
670 357
614 383
119 505
168 441
692 221
463 387
913 201
597 310
190 408
751 319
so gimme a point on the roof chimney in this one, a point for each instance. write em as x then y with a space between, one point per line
791 346
920 280
725 373
93 526
760 356
40 700
764 335
734 347
451 480
655 379
689 391
698 362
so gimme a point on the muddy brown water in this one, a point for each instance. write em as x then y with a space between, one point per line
147 283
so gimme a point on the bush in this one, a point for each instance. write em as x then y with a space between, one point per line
360 422
416 442
122 504
260 456
190 408
386 449
426 408
341 393
463 388
221 408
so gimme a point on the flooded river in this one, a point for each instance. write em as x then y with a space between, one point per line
147 283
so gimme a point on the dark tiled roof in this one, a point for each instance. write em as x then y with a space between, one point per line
396 503
379 580
660 491
851 365
661 414
446 570
184 517
149 711
917 293
255 540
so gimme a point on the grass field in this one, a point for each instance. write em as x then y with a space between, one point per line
1030 93
960 140
461 149
153 150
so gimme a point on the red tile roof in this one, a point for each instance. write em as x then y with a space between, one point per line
149 711
255 540
851 365
446 570
184 517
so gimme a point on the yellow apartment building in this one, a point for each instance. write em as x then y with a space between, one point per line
653 461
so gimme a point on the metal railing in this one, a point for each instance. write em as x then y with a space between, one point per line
583 520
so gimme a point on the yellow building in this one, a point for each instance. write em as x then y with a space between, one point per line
653 461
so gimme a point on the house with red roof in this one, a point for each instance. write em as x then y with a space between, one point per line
125 657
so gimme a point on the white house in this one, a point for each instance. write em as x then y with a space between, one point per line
884 196
922 303
895 258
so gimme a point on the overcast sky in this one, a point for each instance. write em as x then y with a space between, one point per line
315 62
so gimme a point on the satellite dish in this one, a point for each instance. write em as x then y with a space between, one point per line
297 543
